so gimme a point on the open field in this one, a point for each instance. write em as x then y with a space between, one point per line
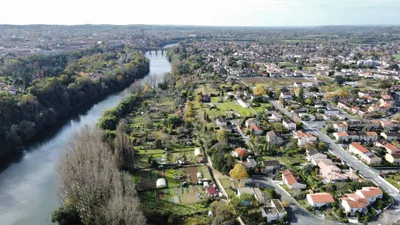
179 200
227 184
396 56
272 82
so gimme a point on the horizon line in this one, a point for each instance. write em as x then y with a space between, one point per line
232 26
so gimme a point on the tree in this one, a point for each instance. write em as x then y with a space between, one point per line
259 90
222 136
299 92
239 172
66 215
241 205
222 213
322 146
91 182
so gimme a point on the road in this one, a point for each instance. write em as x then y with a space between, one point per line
367 172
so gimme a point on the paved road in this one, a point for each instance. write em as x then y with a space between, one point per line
369 173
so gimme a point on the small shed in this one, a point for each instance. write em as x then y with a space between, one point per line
197 152
161 183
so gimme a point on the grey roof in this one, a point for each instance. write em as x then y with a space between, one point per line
271 163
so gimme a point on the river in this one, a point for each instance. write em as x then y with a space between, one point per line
28 186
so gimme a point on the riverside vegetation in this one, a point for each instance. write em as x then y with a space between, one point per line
50 87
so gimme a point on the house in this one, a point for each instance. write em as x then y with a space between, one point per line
390 136
276 116
371 137
331 173
313 155
286 95
353 205
341 136
256 192
358 201
273 211
212 191
289 125
274 138
364 154
220 123
250 163
393 158
353 136
340 127
318 200
270 166
370 193
304 138
291 182
251 122
241 152
344 106
256 130
389 125
391 149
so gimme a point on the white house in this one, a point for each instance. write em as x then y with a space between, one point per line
370 193
304 138
274 211
364 154
289 125
291 182
340 127
319 199
354 205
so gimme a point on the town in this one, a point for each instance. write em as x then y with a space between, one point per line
251 126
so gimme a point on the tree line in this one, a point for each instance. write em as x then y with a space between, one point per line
51 95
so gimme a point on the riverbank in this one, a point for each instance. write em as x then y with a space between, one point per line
29 184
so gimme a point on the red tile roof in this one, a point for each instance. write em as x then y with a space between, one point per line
322 198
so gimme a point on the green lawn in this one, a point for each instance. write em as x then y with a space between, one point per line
169 201
393 182
226 183
287 160
396 56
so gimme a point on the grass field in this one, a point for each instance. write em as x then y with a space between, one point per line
288 161
177 201
226 183
394 179
272 82
396 56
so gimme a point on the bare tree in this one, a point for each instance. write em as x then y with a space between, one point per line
90 180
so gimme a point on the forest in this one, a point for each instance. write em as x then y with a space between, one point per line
50 87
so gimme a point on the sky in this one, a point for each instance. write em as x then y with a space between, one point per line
202 12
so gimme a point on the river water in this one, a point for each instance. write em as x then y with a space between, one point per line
28 187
